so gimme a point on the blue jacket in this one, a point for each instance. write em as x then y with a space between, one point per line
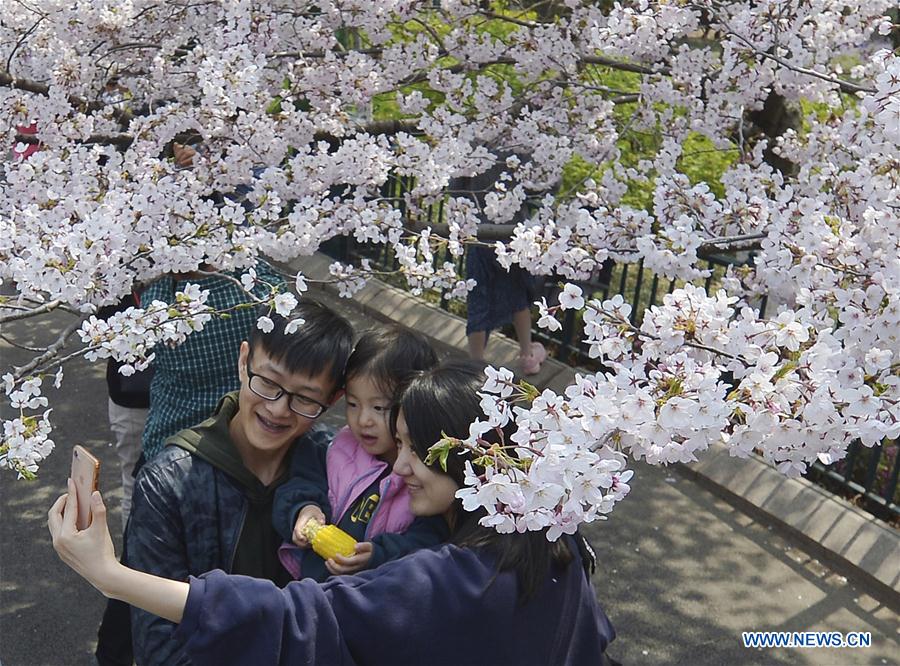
189 507
446 605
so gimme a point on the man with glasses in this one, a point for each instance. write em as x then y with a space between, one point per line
205 502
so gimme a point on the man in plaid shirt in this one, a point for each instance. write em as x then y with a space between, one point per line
190 379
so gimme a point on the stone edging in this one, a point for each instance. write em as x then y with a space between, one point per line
828 526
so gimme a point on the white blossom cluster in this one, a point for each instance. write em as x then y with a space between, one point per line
26 439
695 372
884 104
418 265
129 336
555 472
348 278
306 111
26 442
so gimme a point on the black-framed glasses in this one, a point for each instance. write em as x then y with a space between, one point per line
298 403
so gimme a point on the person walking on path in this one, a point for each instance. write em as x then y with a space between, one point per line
190 379
498 298
500 295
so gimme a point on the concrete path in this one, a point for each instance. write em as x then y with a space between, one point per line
681 573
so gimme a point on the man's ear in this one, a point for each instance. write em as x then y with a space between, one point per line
243 355
337 395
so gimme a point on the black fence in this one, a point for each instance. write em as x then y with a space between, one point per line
867 476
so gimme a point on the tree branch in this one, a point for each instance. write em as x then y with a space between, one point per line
52 350
510 19
503 232
13 343
123 141
730 244
377 127
687 343
47 307
624 66
22 40
845 86
9 81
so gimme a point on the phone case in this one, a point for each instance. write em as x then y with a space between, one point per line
86 475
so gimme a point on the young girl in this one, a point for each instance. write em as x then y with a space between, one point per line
364 498
485 598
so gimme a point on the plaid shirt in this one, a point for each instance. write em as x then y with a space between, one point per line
190 379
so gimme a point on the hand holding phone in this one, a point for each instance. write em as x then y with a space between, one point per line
86 477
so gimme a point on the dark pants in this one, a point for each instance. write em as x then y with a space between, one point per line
114 635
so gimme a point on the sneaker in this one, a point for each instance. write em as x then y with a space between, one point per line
531 364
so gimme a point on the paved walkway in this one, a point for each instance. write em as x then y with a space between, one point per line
681 573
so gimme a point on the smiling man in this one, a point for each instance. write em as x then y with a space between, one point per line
205 502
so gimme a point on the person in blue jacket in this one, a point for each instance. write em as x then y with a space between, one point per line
205 502
483 598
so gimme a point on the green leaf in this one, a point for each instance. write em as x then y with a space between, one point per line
784 370
439 452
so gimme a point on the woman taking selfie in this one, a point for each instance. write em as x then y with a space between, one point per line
484 597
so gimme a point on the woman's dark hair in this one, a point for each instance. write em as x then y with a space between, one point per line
445 401
442 400
391 356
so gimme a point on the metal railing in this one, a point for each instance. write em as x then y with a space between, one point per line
867 475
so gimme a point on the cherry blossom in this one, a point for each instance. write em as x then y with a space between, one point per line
304 118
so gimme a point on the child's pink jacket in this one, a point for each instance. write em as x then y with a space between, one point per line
350 471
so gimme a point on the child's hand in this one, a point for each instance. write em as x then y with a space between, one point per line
307 513
347 565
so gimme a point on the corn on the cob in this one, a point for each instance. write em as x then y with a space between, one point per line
329 540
